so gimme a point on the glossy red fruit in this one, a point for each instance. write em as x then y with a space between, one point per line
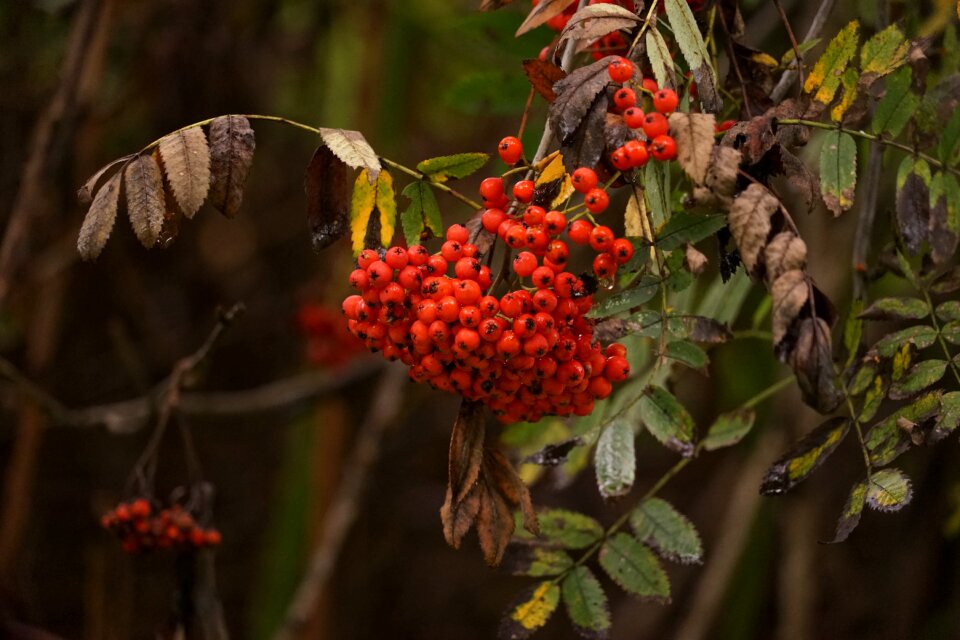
655 124
621 250
584 179
637 153
601 238
596 200
633 117
491 188
510 150
620 69
579 231
665 101
624 98
663 148
620 161
523 190
492 219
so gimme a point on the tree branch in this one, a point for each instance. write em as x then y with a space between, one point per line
819 20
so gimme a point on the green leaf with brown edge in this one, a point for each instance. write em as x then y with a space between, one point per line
459 165
804 457
685 228
886 440
825 76
537 562
634 567
688 353
951 332
615 460
530 611
838 171
423 212
728 429
852 510
586 604
921 335
948 418
884 52
922 375
889 490
667 420
694 51
873 398
897 105
643 291
668 531
896 309
566 529
863 378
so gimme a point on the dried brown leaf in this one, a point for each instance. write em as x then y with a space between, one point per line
594 21
721 179
790 293
585 147
812 361
186 160
943 240
501 474
542 75
786 252
99 220
616 133
707 89
490 5
495 525
800 176
694 135
354 150
457 520
693 260
913 212
328 187
750 224
146 202
85 193
232 144
576 95
541 13
466 449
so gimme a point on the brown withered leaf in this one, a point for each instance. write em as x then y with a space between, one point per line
186 160
354 150
721 179
576 96
594 21
694 261
800 177
466 451
85 193
790 293
757 69
943 241
913 212
480 237
100 219
585 147
707 90
749 218
502 476
812 361
146 202
694 135
542 76
785 252
494 523
232 144
541 13
457 521
616 133
328 187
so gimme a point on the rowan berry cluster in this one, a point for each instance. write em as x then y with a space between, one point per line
659 144
142 529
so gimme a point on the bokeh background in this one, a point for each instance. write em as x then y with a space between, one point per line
420 78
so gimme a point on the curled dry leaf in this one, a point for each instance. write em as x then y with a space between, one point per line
99 221
812 361
539 15
790 293
466 456
146 204
750 224
85 193
232 144
785 252
721 179
542 75
694 135
353 149
186 160
327 185
594 21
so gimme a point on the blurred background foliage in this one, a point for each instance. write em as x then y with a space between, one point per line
420 78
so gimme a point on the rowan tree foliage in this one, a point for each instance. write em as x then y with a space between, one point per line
595 270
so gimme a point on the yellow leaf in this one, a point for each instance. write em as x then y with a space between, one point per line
387 206
765 59
551 170
826 74
361 206
566 190
535 612
849 80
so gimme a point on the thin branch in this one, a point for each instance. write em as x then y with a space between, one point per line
343 511
819 21
793 39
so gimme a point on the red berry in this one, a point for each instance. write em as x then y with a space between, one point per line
637 154
633 117
620 69
655 124
523 190
584 179
663 148
366 258
557 251
665 100
396 257
516 237
620 161
579 231
491 188
624 98
622 250
510 150
601 238
596 200
492 218
604 266
533 215
649 84
554 222
524 264
617 369
380 274
140 508
458 233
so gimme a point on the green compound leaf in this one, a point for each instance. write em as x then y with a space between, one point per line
530 611
950 140
896 309
674 537
538 562
568 529
729 429
852 510
826 74
641 292
873 398
423 212
459 165
921 336
616 460
890 437
921 376
889 490
667 420
838 171
634 567
804 457
688 353
586 604
884 52
687 34
687 228
948 418
849 81
897 106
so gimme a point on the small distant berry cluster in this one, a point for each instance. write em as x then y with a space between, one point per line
611 43
329 343
525 354
659 144
142 529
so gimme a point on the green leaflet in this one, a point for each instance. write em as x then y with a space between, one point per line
921 376
889 490
656 182
853 331
688 353
884 52
729 429
661 62
950 140
657 523
922 336
422 212
459 165
948 418
538 562
686 228
805 456
852 510
687 34
667 420
896 309
616 460
567 529
641 292
634 567
949 310
886 440
897 106
586 603
838 171
826 74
